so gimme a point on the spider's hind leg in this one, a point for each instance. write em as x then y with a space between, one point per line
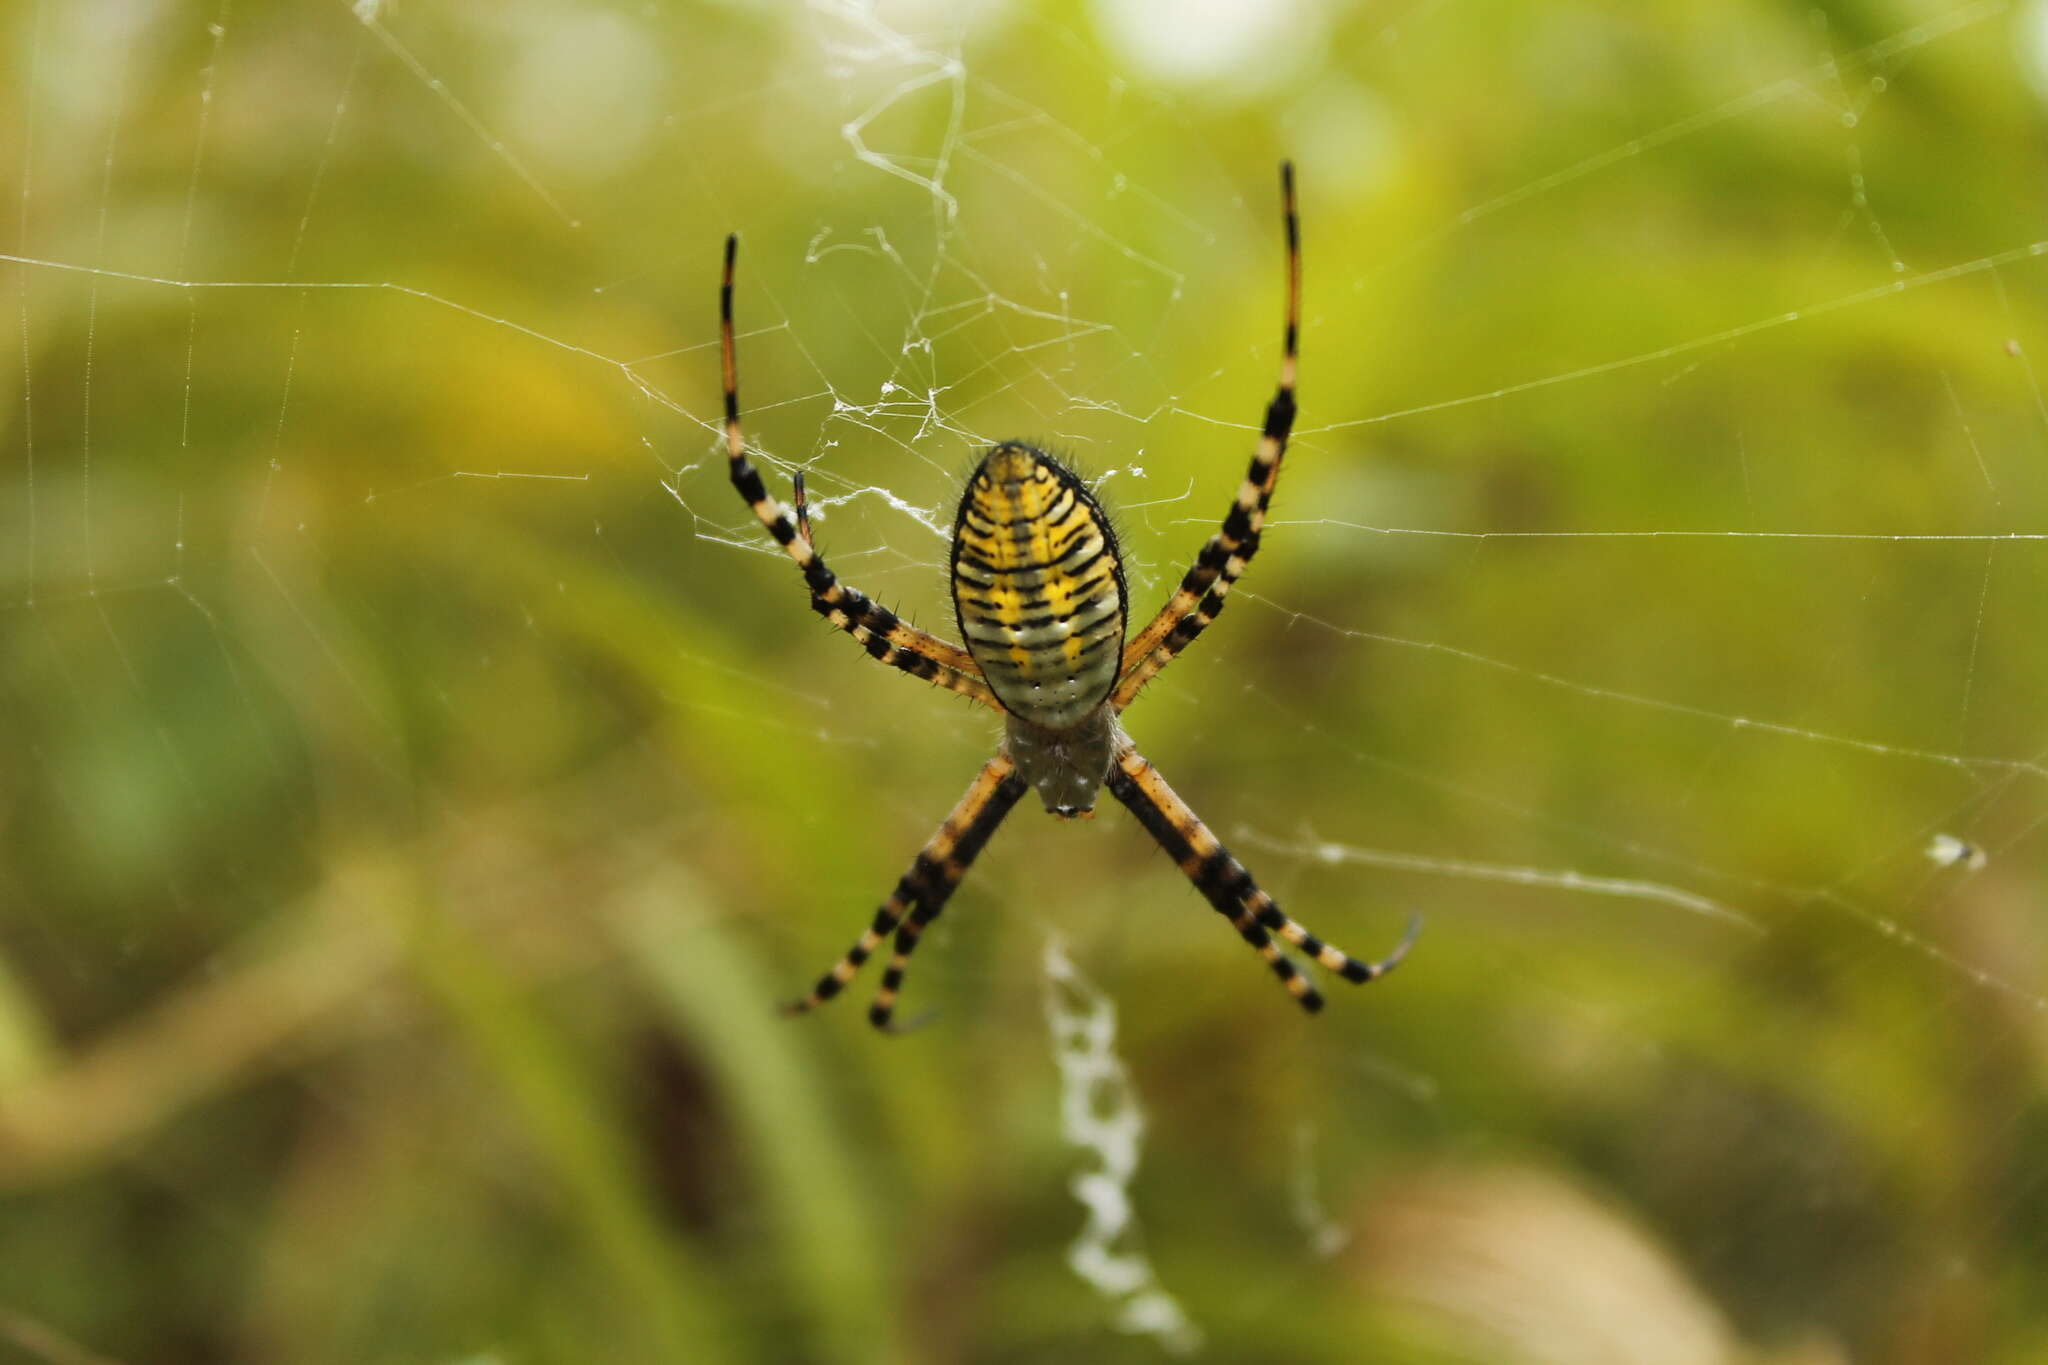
969 828
923 891
1226 885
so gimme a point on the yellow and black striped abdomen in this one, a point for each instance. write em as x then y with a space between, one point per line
1038 584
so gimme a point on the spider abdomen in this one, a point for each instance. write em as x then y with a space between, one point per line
1038 587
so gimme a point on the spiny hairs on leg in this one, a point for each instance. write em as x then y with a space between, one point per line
1226 885
921 893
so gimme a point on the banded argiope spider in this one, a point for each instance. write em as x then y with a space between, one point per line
1038 588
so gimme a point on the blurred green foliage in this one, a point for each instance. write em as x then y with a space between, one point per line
421 778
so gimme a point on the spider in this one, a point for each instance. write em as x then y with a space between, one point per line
1038 590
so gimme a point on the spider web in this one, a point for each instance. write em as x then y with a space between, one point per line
1649 604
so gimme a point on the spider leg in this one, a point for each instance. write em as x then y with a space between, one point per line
1202 592
1226 885
881 632
976 818
921 893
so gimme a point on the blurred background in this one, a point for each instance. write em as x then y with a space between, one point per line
421 777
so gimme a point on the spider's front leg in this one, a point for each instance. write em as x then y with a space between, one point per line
1226 885
884 635
1204 589
923 891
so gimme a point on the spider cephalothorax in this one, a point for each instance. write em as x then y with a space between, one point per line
1038 591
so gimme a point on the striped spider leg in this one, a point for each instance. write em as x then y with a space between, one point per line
1192 608
880 631
1199 599
1039 596
1226 885
922 892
